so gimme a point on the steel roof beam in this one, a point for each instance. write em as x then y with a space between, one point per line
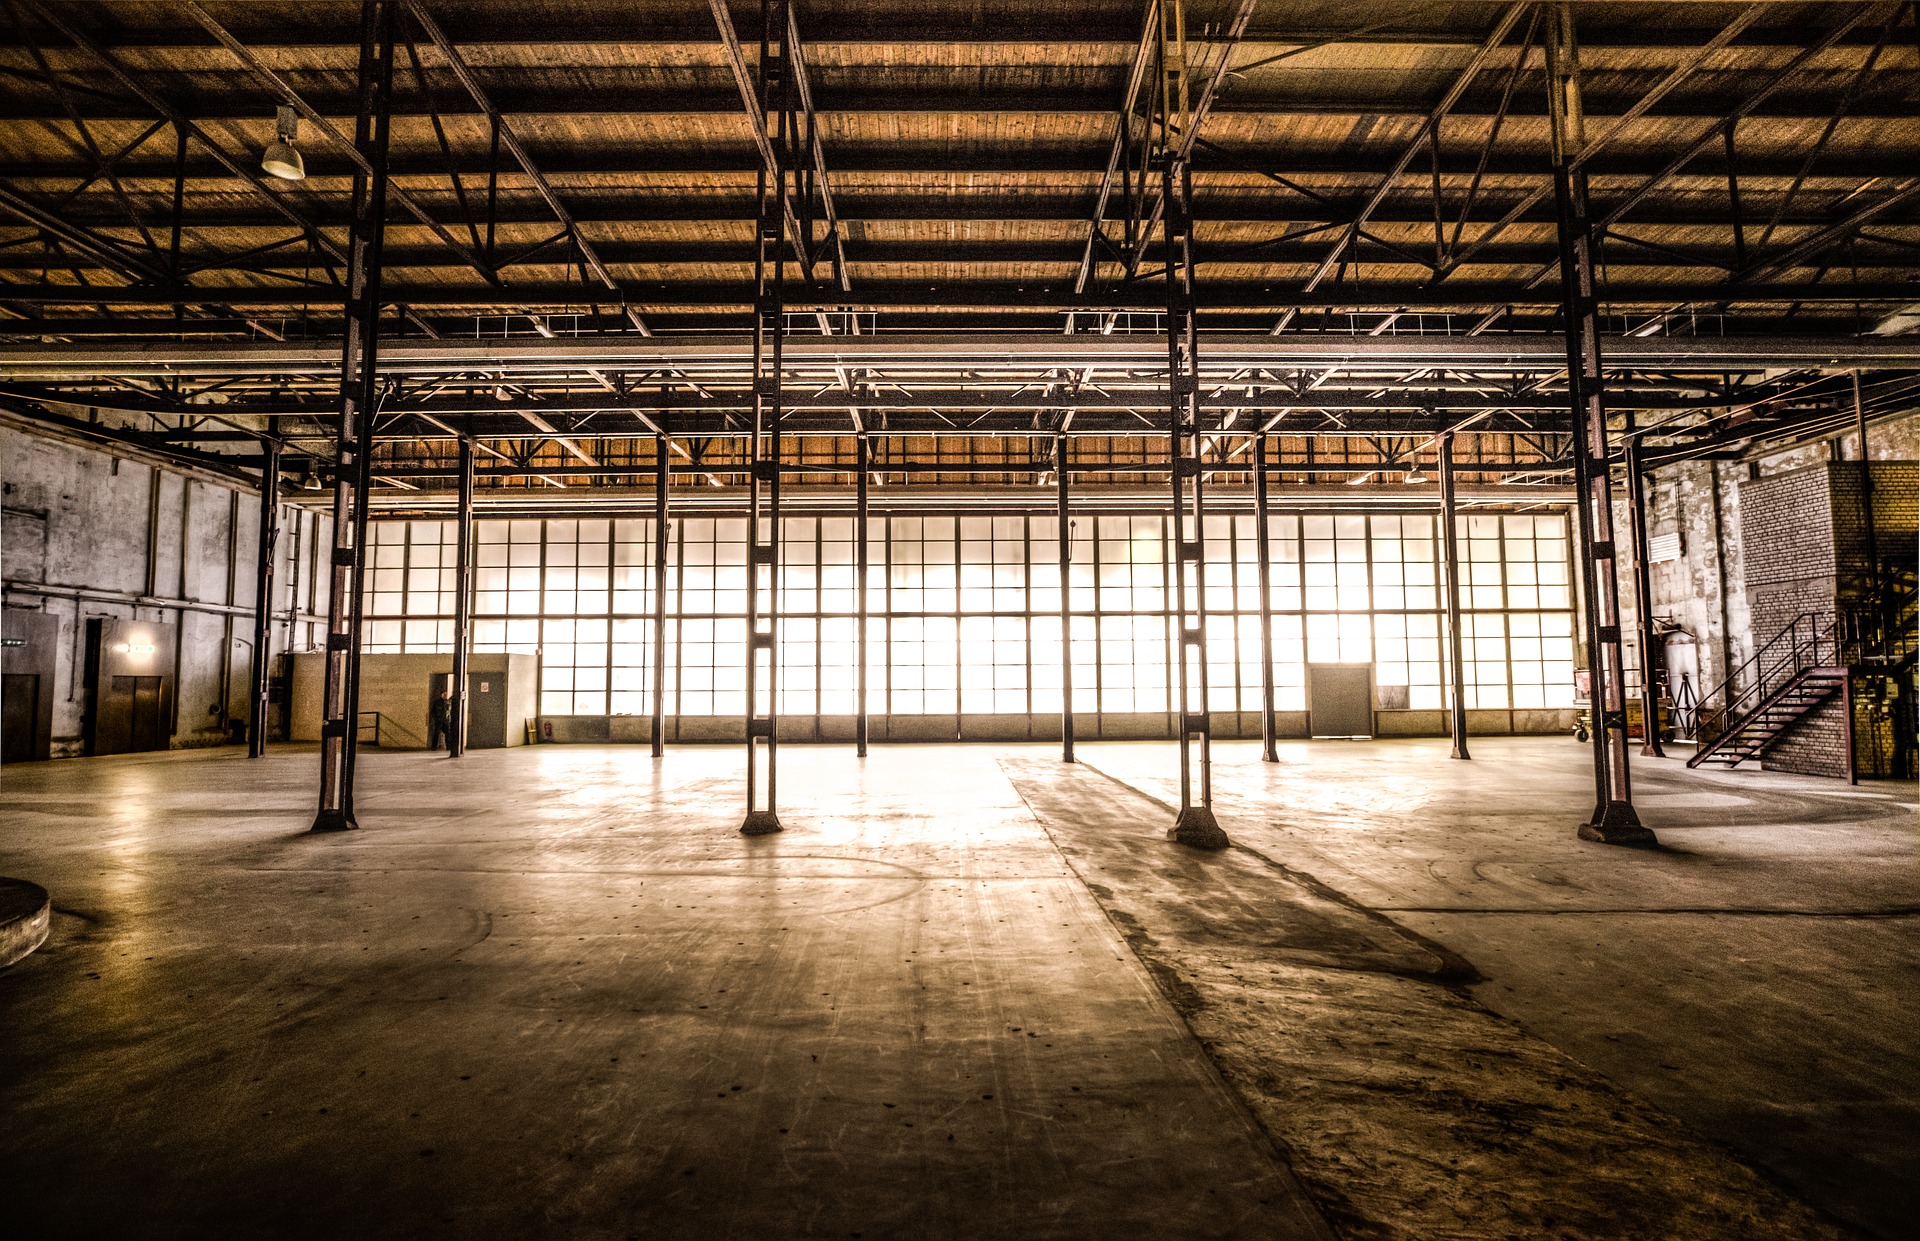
720 99
457 63
1002 295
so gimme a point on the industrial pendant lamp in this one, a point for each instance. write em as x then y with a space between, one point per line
283 158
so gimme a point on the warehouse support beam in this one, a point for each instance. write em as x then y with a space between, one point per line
763 488
1877 611
359 397
1450 548
1064 510
864 460
1195 825
1262 542
263 599
662 473
458 705
1643 603
1614 819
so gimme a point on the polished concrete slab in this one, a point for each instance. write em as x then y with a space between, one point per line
552 991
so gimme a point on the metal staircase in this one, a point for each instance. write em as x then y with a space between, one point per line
1806 664
1755 732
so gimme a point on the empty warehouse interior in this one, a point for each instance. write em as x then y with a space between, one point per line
810 618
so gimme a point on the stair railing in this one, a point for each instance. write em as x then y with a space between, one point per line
1810 640
1885 630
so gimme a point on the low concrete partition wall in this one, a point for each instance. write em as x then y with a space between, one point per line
400 688
1118 726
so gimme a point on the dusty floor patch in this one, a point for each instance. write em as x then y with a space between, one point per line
1409 1110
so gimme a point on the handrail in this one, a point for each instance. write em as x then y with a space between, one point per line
386 728
1811 639
1885 629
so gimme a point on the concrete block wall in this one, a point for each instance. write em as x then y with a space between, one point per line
85 533
399 688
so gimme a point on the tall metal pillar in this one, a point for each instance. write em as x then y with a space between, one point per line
1062 493
1643 598
763 488
1450 543
1614 819
263 598
457 704
1195 825
1262 547
359 399
1876 610
662 474
863 450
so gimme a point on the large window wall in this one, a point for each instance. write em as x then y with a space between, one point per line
964 611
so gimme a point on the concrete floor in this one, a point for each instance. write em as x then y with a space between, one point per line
968 993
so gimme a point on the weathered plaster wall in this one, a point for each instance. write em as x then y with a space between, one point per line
89 534
1704 590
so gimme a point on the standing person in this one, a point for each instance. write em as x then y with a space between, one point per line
439 721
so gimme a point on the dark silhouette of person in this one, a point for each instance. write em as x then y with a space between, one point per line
440 722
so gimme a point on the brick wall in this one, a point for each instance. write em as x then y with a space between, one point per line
1787 531
1894 514
1814 745
1804 536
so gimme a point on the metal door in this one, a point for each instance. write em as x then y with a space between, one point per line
486 707
1340 700
19 716
486 710
147 724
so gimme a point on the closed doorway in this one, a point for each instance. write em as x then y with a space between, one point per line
1340 700
19 717
146 713
486 707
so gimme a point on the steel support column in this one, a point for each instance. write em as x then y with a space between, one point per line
1876 610
359 399
1262 547
1643 602
1064 508
863 448
1450 548
662 473
1614 819
263 598
457 704
1195 825
763 488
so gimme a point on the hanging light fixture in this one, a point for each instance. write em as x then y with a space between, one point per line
1415 477
1358 479
283 158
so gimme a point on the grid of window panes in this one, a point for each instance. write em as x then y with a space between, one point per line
964 611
